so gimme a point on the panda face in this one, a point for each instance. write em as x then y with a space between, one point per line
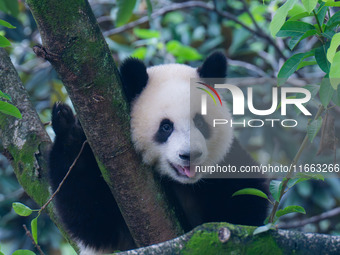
168 134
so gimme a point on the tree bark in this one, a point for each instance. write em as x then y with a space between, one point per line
225 238
74 45
25 140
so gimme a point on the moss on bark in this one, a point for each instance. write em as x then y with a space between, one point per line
74 45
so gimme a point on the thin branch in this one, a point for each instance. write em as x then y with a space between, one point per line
314 219
246 8
64 179
248 66
28 233
192 4
290 172
157 13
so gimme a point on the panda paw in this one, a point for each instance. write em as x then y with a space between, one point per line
62 118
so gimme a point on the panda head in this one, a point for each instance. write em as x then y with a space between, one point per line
164 129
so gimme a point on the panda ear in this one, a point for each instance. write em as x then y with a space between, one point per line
134 77
215 66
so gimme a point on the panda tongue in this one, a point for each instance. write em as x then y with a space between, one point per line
187 172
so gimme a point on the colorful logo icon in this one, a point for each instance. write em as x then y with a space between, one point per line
209 93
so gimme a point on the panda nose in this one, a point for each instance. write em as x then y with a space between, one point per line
185 156
193 155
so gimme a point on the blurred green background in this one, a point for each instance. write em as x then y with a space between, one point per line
175 35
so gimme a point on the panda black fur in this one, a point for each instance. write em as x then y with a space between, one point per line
158 97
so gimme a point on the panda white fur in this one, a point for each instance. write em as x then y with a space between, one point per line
168 91
160 128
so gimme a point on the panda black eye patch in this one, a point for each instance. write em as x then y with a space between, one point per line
202 126
164 131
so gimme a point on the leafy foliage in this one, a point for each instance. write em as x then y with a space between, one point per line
10 109
23 252
9 6
188 36
251 191
22 209
125 9
313 128
290 209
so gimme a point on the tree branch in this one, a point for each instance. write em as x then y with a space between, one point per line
192 4
290 172
64 179
77 50
317 218
225 238
28 233
25 140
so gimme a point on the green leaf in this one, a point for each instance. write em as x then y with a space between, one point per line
290 209
305 63
34 229
125 9
149 8
5 24
9 109
146 33
332 3
280 17
334 20
13 7
139 53
21 209
5 96
290 66
309 4
4 42
334 73
313 128
313 89
321 58
174 18
295 181
300 16
275 188
23 252
328 33
318 177
3 7
262 229
296 39
333 47
297 9
10 6
251 191
267 220
293 42
181 52
326 91
321 13
294 28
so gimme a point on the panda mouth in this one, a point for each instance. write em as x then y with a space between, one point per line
183 171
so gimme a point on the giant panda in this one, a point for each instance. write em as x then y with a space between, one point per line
161 127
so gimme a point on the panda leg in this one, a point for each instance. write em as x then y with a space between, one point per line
84 203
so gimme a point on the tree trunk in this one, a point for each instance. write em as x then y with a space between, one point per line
224 238
74 45
25 141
